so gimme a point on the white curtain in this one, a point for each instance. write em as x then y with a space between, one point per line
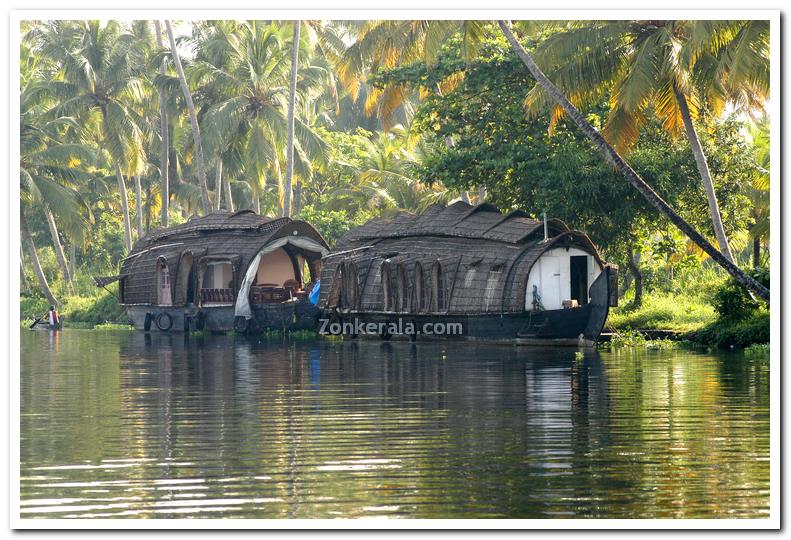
243 308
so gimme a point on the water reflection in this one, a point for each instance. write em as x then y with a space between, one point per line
139 425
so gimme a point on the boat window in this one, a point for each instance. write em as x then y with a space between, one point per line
437 288
419 302
402 298
349 285
385 273
185 291
217 283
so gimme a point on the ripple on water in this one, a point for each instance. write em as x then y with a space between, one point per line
128 425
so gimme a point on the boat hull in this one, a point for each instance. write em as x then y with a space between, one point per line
572 326
291 316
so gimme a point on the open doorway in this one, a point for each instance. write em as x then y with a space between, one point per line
578 271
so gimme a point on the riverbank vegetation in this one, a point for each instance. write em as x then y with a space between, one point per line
128 126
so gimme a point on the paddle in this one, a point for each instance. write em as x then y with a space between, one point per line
37 321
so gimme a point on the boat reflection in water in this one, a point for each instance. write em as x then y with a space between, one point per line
176 425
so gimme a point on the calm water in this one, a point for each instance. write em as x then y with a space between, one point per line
118 424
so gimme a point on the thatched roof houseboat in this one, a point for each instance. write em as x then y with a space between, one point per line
222 271
501 276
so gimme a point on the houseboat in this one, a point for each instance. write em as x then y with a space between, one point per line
224 271
485 275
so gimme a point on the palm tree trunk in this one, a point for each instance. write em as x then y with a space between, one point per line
72 258
31 249
60 255
226 183
297 198
292 99
22 276
204 186
705 174
634 269
165 135
139 206
631 176
756 252
218 185
124 208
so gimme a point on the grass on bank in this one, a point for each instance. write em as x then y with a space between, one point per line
678 312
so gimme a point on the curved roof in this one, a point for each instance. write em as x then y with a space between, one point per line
485 256
483 221
236 237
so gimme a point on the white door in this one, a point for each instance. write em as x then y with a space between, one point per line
164 286
550 282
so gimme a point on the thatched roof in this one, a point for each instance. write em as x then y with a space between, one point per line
236 237
483 255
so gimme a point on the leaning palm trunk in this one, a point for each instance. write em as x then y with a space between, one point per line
218 186
164 134
705 174
60 255
72 258
22 275
204 186
139 206
226 184
634 179
34 261
292 98
124 208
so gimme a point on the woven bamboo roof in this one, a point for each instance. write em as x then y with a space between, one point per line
236 237
484 255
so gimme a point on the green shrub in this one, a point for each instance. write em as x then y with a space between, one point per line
757 350
31 308
732 300
731 334
93 310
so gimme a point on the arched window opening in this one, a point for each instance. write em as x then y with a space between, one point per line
349 287
217 283
437 288
185 289
387 297
402 296
419 301
334 297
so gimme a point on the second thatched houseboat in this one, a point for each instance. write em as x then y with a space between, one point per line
223 271
493 276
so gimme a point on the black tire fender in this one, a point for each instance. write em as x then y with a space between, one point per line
164 321
147 321
200 320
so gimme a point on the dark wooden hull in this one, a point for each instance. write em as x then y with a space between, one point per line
574 326
291 316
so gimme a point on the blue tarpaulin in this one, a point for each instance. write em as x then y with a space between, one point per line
314 294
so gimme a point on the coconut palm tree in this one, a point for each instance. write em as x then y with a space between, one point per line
196 135
164 137
673 68
49 168
246 71
385 180
97 76
292 98
622 166
386 44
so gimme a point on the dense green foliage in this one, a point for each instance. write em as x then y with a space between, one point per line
390 116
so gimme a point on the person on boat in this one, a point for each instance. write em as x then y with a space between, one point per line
54 320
